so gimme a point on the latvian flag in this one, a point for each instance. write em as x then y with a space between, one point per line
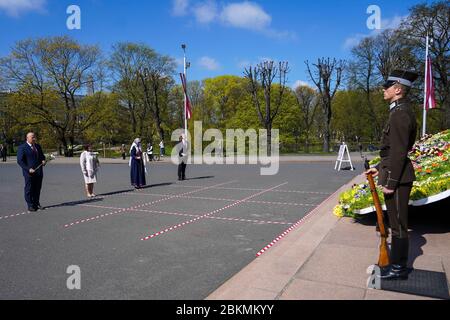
430 97
188 102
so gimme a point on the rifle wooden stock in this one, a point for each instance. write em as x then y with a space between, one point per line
383 259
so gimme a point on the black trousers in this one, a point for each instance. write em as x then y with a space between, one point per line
397 208
32 190
4 157
182 170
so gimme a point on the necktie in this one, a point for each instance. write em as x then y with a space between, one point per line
34 149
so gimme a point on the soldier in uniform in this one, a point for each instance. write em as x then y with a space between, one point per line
395 171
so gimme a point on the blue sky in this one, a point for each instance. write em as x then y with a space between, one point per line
222 36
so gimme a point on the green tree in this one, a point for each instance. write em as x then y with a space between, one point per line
327 73
48 76
222 98
308 102
261 81
432 19
143 83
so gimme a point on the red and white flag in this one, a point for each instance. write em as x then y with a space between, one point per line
188 102
430 98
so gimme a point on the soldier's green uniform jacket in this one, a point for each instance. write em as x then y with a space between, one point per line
399 136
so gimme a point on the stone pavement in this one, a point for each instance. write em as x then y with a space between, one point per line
326 259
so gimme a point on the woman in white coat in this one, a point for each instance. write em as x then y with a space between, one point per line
89 166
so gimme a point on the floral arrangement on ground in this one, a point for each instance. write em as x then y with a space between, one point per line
430 158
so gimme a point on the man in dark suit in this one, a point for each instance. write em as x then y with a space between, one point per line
182 149
396 172
31 159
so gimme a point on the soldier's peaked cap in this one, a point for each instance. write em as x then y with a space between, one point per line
403 77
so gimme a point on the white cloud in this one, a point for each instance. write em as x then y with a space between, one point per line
209 63
243 15
354 40
180 7
300 83
246 15
16 7
206 12
390 23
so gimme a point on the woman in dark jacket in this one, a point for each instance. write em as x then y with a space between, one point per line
137 165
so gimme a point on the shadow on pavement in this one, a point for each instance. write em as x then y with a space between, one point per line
100 197
156 185
425 220
75 203
201 178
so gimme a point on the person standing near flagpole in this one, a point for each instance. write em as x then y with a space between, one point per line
182 149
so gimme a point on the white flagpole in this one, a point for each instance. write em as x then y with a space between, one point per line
185 97
424 130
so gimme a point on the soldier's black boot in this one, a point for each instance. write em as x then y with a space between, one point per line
399 259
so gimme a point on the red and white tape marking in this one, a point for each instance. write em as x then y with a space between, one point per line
194 215
253 189
16 215
230 200
208 214
250 221
184 197
295 226
284 203
140 206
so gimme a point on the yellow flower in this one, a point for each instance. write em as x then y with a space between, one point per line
338 211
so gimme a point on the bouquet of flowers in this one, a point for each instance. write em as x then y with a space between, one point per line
48 158
430 158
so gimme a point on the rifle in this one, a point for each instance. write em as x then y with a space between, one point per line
383 259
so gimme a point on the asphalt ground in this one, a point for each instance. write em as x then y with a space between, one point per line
171 241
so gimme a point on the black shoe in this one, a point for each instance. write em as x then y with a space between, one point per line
39 207
395 272
31 209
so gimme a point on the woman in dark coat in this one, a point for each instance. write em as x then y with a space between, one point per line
137 165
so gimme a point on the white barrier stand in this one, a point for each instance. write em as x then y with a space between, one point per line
343 157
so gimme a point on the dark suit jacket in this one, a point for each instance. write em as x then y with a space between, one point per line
399 136
27 159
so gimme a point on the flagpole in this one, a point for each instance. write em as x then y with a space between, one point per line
185 95
424 130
